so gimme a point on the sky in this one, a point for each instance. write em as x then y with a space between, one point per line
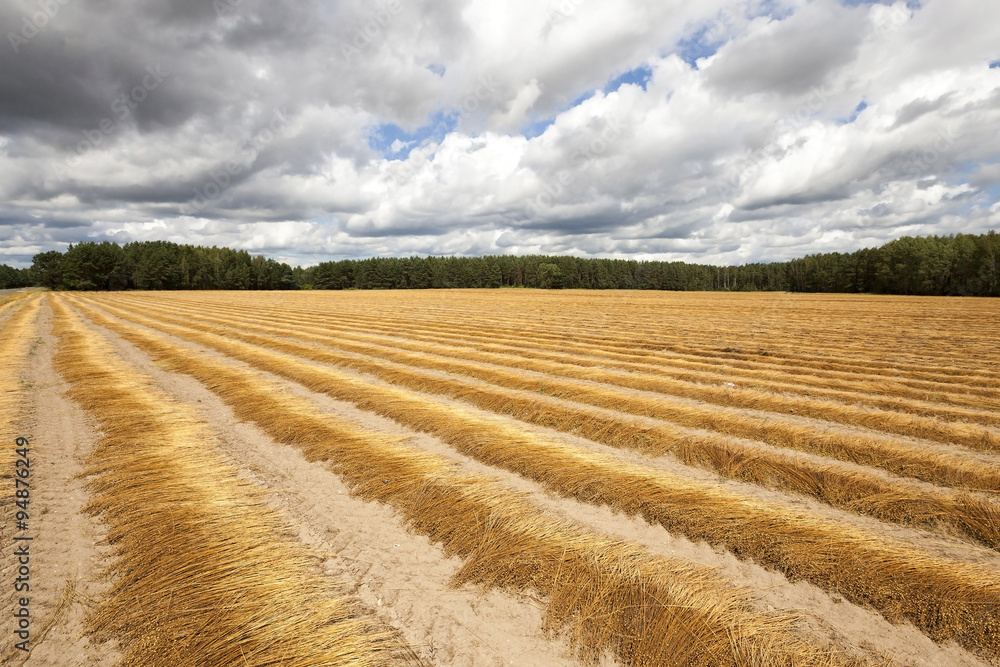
716 131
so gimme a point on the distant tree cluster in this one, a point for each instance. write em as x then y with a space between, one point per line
966 265
960 265
11 278
157 265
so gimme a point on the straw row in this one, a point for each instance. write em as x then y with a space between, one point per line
796 317
680 342
802 350
939 467
902 424
204 573
468 317
853 489
840 405
609 595
944 598
634 347
7 301
459 333
673 363
16 333
921 420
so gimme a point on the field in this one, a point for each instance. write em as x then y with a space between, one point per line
504 477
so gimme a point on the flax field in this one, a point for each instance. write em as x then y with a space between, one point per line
505 477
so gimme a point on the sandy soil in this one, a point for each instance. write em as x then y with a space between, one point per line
405 577
67 559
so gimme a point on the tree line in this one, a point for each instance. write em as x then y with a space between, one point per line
154 265
961 264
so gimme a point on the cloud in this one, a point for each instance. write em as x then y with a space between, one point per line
721 131
792 55
914 110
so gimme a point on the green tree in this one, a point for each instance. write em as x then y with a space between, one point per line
46 269
550 276
94 266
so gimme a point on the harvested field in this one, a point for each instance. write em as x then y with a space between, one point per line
627 478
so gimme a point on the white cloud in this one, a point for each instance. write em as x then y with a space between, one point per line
815 126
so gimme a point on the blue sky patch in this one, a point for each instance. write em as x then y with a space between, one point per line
772 9
639 76
857 111
537 127
699 45
709 38
995 64
854 114
578 101
394 143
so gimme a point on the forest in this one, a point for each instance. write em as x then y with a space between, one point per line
956 265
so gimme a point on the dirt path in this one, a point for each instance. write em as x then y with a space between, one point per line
67 559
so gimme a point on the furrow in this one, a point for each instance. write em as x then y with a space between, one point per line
914 425
948 600
680 344
611 596
924 463
465 333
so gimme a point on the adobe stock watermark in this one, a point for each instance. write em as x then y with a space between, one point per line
226 8
372 27
801 117
220 180
487 88
583 159
922 161
32 24
889 19
720 27
565 9
122 107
